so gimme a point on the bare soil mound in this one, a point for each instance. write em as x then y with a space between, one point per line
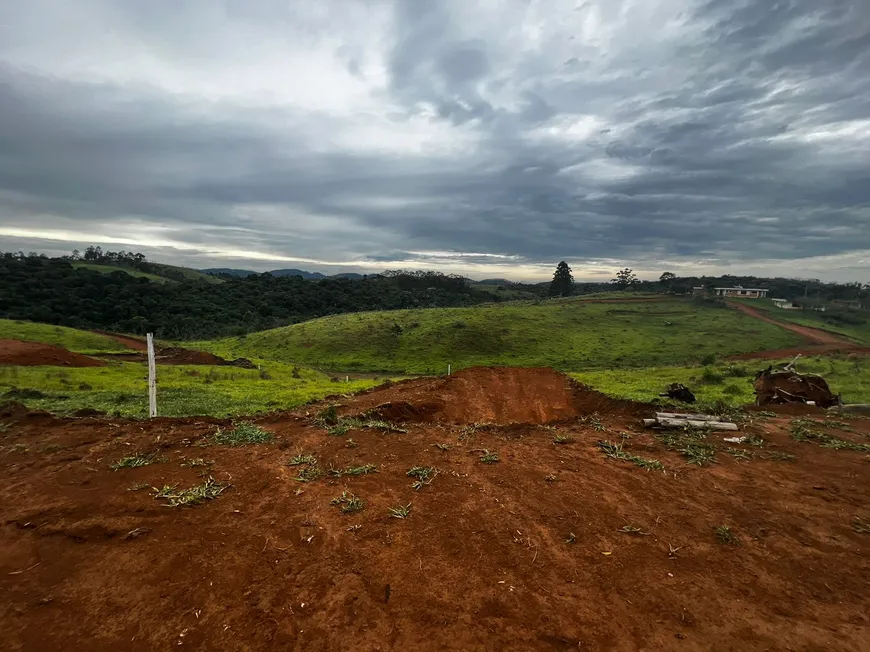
178 355
31 354
498 395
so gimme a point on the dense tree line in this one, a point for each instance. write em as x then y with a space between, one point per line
50 290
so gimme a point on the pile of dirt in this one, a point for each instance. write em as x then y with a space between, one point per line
497 395
178 355
32 354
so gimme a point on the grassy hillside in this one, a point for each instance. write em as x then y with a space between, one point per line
185 272
825 320
109 269
69 338
565 334
121 388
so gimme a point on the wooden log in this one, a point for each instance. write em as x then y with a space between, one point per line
666 422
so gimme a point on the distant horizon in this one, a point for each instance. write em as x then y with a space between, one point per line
260 267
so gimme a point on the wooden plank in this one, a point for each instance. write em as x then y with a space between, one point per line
152 377
694 423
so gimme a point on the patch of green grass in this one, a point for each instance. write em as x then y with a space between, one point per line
69 338
825 320
309 473
349 502
362 469
242 434
111 269
302 458
346 424
566 334
402 511
174 497
805 430
740 453
690 443
183 390
563 439
489 457
136 460
423 476
779 456
725 535
617 452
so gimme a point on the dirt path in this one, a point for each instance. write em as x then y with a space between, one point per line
818 341
533 553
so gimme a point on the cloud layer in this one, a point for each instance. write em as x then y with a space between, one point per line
492 137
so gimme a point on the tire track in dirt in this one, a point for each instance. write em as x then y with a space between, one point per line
818 341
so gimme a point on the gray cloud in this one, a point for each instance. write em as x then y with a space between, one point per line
697 135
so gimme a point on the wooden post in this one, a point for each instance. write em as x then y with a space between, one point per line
448 370
152 378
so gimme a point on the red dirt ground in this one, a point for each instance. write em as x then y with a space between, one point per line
819 342
91 561
177 355
29 354
135 343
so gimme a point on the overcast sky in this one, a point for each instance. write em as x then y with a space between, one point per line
486 137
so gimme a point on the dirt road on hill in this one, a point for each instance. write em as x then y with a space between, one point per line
533 552
819 341
131 342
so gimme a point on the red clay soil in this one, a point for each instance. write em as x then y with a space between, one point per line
175 355
31 354
135 343
525 554
497 395
818 341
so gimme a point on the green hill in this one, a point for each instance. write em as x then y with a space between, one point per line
168 273
567 334
69 338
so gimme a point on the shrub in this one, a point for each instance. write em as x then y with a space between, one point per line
710 375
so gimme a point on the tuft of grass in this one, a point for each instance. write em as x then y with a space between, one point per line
550 478
754 440
572 538
631 528
725 535
402 511
346 424
241 434
424 476
489 457
442 447
349 502
861 527
363 469
328 416
563 439
778 456
139 486
198 461
739 453
300 459
616 451
691 443
208 490
350 443
309 473
135 461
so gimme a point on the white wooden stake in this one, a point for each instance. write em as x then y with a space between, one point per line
448 370
152 378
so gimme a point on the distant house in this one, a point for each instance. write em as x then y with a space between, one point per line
785 304
741 292
699 290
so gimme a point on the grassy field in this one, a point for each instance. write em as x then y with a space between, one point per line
120 389
858 332
730 383
69 338
567 334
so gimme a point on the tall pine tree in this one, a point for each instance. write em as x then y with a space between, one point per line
563 282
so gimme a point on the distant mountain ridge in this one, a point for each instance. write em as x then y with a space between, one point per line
310 276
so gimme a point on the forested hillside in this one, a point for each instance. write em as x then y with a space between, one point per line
52 291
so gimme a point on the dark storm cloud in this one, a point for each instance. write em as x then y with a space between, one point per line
673 133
